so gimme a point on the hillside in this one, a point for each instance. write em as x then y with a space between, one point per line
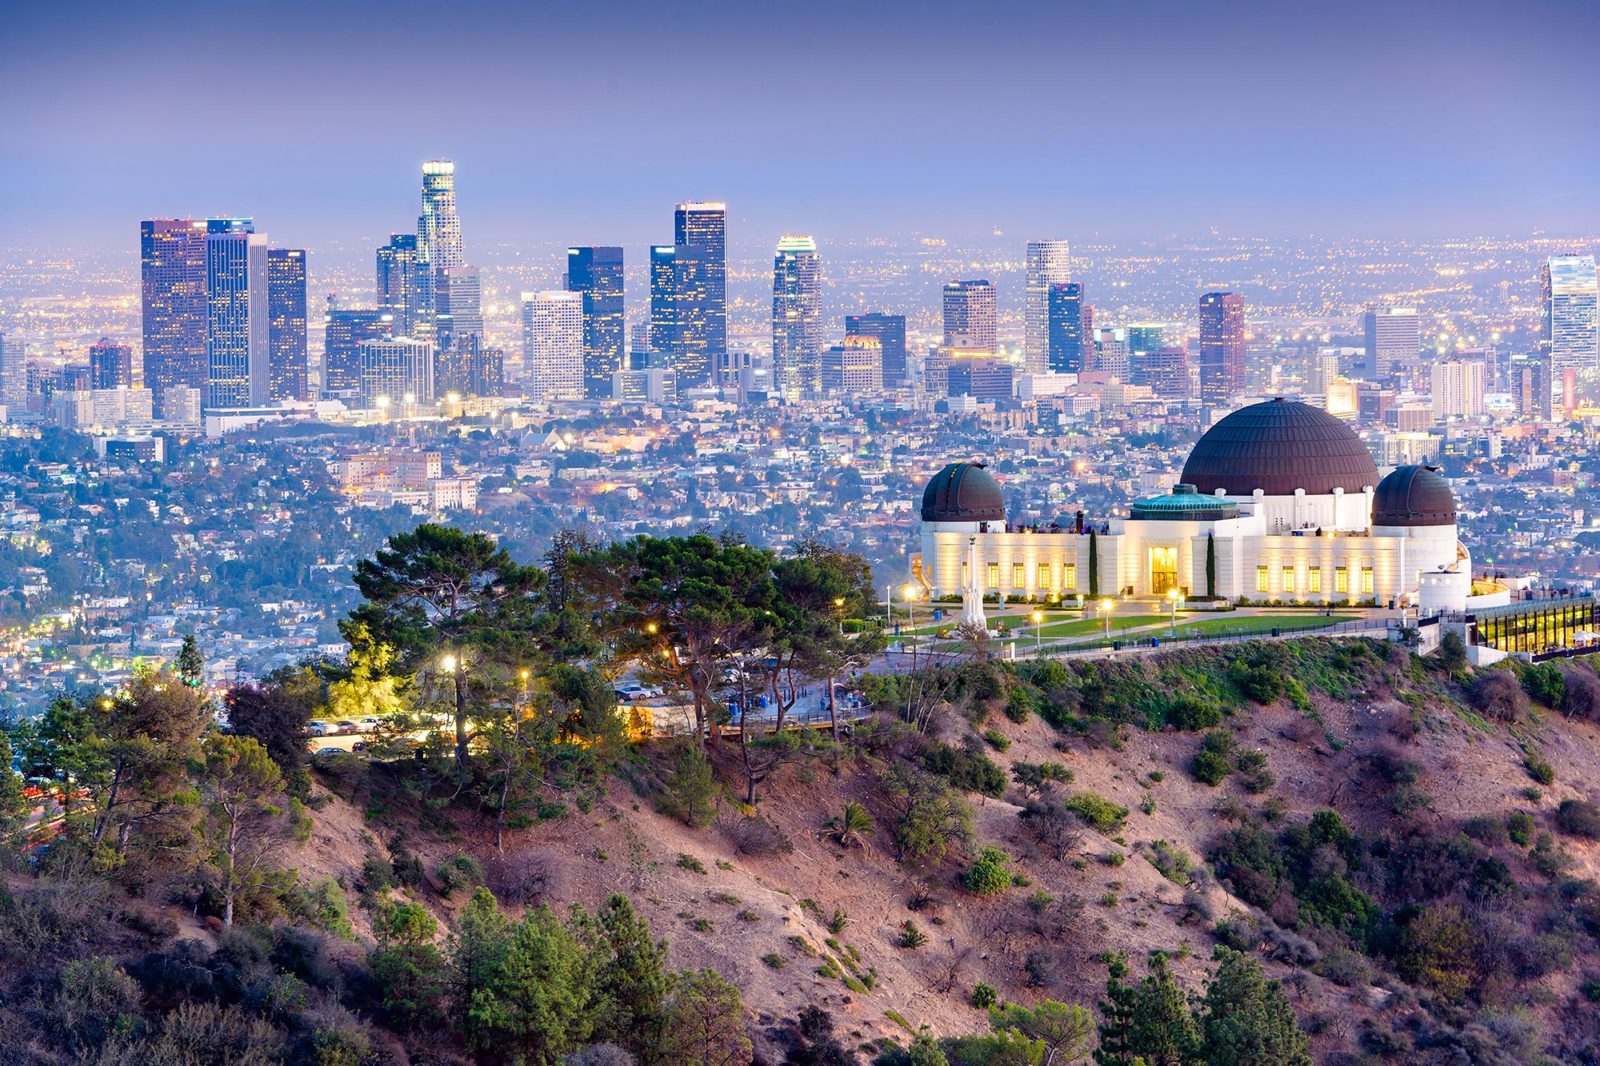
1447 915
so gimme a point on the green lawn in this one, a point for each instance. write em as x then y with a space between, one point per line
1088 627
1257 624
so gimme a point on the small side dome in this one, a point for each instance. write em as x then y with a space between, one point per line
963 492
1413 496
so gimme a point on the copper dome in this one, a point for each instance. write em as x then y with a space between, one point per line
963 492
1413 496
1280 446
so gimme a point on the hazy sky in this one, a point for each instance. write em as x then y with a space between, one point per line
584 122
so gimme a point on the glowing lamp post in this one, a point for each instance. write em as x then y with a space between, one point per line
1173 596
1038 634
1105 610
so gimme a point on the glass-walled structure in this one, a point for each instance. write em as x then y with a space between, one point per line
1533 627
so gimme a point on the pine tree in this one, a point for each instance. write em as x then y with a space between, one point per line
1094 566
191 665
631 983
1211 566
1151 1021
1247 1020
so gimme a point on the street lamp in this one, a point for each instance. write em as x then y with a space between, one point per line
908 592
838 605
1038 633
1173 595
1105 609
447 663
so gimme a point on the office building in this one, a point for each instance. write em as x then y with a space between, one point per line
647 385
1221 347
1165 371
663 300
397 373
1071 330
1111 352
238 329
439 228
469 371
110 365
1393 340
595 272
890 333
103 410
797 317
406 286
552 345
701 281
1048 265
1571 295
854 367
1145 337
288 372
172 289
1531 387
344 331
458 307
1458 387
982 378
13 375
179 407
969 317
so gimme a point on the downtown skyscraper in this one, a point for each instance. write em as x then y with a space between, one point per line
969 317
595 272
890 333
699 290
1070 330
288 373
1571 293
797 317
238 344
439 227
552 345
1048 264
405 286
1221 347
172 289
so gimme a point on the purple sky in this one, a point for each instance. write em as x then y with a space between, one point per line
585 122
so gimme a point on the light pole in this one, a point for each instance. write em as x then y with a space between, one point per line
1038 634
908 592
1173 595
838 605
1105 609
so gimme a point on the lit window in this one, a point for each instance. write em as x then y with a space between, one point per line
994 575
1366 581
1341 579
1314 579
1072 577
1288 579
1261 579
1019 576
1044 576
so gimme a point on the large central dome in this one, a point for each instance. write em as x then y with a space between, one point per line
1278 447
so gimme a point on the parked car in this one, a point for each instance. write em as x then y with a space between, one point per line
332 751
359 747
347 727
369 723
317 729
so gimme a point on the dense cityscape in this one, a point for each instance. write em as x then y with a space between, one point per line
233 404
714 534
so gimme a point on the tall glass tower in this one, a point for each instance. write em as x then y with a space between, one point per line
890 333
238 351
1071 329
663 304
1571 294
405 286
797 317
596 272
286 310
1048 264
172 287
1221 347
700 275
439 227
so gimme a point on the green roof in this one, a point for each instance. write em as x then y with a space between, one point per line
1184 504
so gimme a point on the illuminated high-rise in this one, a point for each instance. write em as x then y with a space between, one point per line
890 333
344 331
1071 330
405 286
969 316
552 345
1221 347
286 311
1393 338
596 274
797 317
110 365
1571 316
1048 264
663 332
700 281
396 373
172 287
13 372
458 308
439 228
238 349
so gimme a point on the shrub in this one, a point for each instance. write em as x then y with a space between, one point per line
1519 827
967 770
1486 829
1192 712
1545 683
990 874
1539 769
1579 818
458 871
690 793
910 935
1172 862
1037 778
984 996
1214 761
996 739
1581 695
1497 695
1435 951
1097 812
690 863
1345 967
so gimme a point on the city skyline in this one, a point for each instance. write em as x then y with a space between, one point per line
1294 160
